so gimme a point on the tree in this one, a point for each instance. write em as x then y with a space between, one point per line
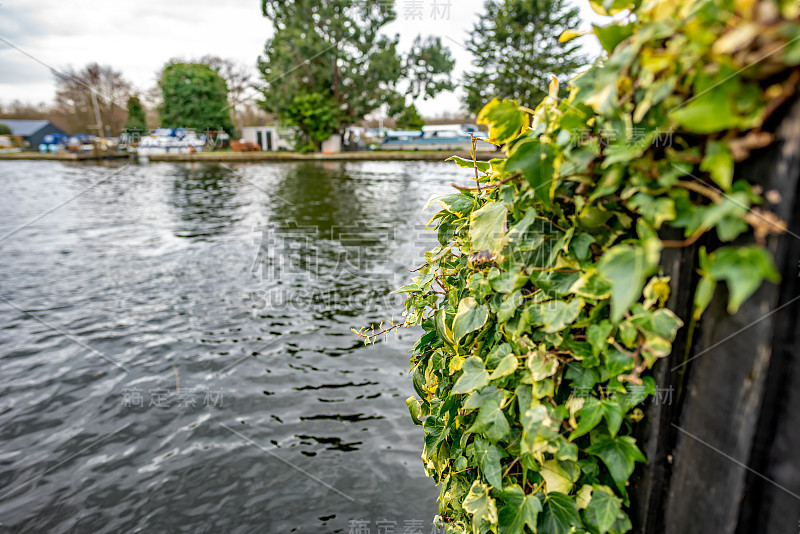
95 94
137 118
194 96
238 78
4 129
315 115
428 67
410 119
516 51
334 48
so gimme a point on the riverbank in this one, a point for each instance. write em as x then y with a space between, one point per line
372 155
39 156
255 157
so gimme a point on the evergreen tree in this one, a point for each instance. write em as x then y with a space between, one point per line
410 119
195 96
136 115
335 49
516 51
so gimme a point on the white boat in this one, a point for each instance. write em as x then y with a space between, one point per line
169 141
443 137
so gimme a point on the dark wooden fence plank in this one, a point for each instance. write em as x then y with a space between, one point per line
736 412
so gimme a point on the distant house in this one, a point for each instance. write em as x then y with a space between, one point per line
32 132
269 138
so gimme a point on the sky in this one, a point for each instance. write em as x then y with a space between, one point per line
138 37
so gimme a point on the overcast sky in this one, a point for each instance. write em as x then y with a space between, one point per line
138 37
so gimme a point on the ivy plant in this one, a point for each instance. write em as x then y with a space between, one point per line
544 306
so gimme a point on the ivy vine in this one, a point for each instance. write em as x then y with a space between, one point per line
544 305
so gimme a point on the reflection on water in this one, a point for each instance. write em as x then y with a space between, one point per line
177 354
204 197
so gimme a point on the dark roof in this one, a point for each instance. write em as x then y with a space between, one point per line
24 128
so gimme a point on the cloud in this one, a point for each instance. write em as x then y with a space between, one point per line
138 38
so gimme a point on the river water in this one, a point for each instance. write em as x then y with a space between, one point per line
176 353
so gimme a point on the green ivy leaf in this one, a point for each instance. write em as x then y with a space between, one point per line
506 367
719 164
487 228
542 365
505 120
743 269
613 34
435 432
469 317
488 457
603 510
477 398
414 409
480 505
656 211
491 422
537 161
559 476
619 455
474 376
597 335
626 268
557 314
588 417
559 515
482 166
703 295
519 510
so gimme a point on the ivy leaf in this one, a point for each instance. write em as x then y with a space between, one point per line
519 510
440 324
488 457
719 164
487 228
491 422
506 367
656 211
538 163
559 515
619 454
703 295
509 306
542 365
557 314
626 268
435 432
559 476
477 398
711 111
597 335
482 166
743 269
591 414
588 417
505 120
474 376
603 510
663 323
414 409
480 505
469 317
539 429
613 34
